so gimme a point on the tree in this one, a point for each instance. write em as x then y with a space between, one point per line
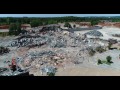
109 58
40 23
8 20
51 22
51 71
94 22
18 28
45 23
50 74
35 23
99 61
67 25
12 29
74 26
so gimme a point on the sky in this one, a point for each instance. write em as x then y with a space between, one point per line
54 15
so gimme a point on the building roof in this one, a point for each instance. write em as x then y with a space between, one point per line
25 25
4 26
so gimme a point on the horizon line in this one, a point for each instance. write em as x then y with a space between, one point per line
53 16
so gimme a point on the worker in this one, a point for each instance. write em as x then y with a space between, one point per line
13 65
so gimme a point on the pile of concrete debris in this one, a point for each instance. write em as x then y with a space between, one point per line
94 33
51 39
4 50
57 50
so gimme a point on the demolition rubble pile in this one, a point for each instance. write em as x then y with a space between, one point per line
94 33
39 40
4 50
58 49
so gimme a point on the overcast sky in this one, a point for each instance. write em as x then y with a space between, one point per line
54 15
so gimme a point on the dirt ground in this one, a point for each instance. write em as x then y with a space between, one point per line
81 71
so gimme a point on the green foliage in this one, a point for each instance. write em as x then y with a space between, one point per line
107 61
15 29
35 23
104 62
50 74
94 22
67 25
45 23
18 28
8 20
99 61
53 20
12 29
109 58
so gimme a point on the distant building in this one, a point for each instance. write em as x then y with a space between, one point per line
84 23
4 27
25 26
105 21
4 32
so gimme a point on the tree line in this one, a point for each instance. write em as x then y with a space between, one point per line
53 20
15 29
15 22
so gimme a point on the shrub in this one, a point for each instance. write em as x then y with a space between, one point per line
50 74
67 25
107 61
109 58
99 61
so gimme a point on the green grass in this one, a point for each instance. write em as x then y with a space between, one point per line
104 61
108 63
